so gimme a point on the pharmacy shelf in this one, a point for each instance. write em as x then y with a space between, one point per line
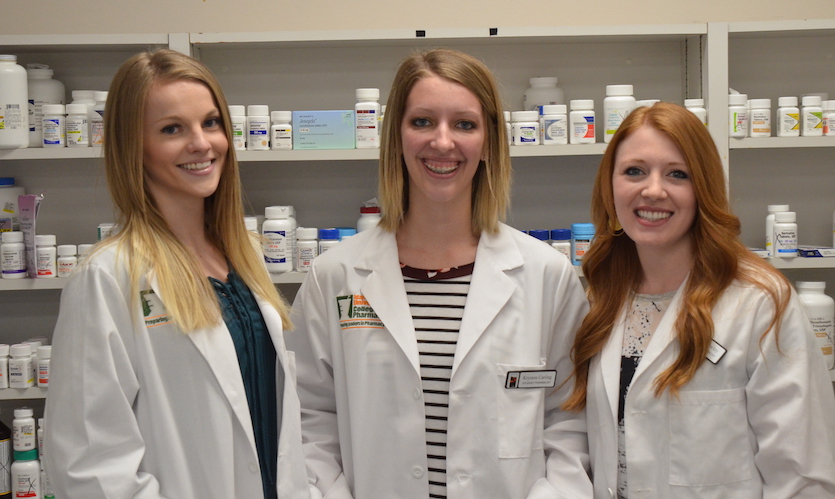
74 43
781 142
29 284
23 393
51 153
802 263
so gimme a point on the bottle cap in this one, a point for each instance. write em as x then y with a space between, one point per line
774 208
20 350
346 232
13 237
309 233
785 217
694 102
277 212
737 99
83 95
45 352
281 116
4 350
616 90
77 109
48 109
370 209
760 103
543 81
235 110
542 235
329 234
8 57
553 109
811 285
811 100
582 229
560 234
582 105
368 93
257 110
44 240
100 95
522 116
23 412
66 250
83 249
790 101
26 455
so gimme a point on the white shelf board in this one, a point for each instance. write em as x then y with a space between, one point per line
781 142
802 263
67 43
563 150
29 284
51 153
23 393
808 27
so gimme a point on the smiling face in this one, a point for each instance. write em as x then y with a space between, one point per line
185 144
653 194
443 133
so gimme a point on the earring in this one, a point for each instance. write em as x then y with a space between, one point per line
615 227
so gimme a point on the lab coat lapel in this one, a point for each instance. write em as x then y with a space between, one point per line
662 340
490 288
217 347
610 360
384 290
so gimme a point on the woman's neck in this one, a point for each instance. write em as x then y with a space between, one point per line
188 224
664 272
436 238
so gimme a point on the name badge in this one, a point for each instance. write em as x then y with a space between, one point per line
531 379
715 352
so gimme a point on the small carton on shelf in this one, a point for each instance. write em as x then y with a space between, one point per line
815 252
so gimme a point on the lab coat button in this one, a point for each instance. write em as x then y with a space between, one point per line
416 393
417 472
253 467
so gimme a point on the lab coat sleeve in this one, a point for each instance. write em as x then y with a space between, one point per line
93 445
791 407
565 435
310 340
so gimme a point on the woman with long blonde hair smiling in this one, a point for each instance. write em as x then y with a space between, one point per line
171 378
696 364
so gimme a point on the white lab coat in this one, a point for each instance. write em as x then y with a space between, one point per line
362 404
139 409
759 423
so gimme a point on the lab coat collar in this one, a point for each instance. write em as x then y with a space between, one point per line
217 347
662 339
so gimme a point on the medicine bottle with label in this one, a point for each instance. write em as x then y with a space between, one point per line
328 238
554 125
67 259
561 241
821 311
97 119
788 117
43 89
785 235
543 91
366 113
237 115
828 107
53 125
13 255
307 248
769 226
44 357
46 256
508 127
4 367
617 105
759 118
77 126
581 122
525 128
277 230
369 217
811 116
738 115
20 366
258 128
697 107
26 474
14 101
281 132
582 235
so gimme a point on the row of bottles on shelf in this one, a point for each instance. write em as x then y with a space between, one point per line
22 472
753 117
781 236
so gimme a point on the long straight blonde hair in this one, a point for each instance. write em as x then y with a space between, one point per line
613 270
144 237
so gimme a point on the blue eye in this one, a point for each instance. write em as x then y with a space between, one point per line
212 122
169 130
421 122
679 174
632 171
466 125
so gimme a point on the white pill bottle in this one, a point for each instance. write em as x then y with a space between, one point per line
821 310
617 105
277 230
14 104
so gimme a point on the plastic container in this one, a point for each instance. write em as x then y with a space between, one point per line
46 256
561 241
53 125
44 358
13 253
828 107
369 218
617 105
237 115
553 125
24 432
14 104
328 238
785 234
811 117
581 237
307 248
821 310
277 231
97 119
581 122
543 91
26 475
281 131
77 125
788 117
43 89
20 367
67 259
9 211
769 225
738 115
697 107
759 118
5 461
525 128
4 378
366 115
258 128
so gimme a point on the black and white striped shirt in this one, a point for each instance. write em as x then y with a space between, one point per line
436 300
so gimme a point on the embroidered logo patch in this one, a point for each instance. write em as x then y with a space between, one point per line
356 313
153 309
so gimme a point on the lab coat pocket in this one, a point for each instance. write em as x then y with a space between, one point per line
521 413
709 438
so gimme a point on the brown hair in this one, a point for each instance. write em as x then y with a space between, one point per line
144 235
613 270
491 184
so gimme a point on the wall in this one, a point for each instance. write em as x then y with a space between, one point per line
171 16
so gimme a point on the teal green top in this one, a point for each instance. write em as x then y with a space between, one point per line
260 369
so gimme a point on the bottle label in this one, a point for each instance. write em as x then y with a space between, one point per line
785 242
53 132
581 246
238 138
258 138
5 466
282 137
583 128
46 264
526 134
789 123
739 122
614 117
97 129
11 117
825 333
305 257
813 121
761 122
14 262
366 123
76 131
275 246
555 130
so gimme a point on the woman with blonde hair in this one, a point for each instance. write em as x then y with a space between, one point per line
696 364
429 347
171 378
